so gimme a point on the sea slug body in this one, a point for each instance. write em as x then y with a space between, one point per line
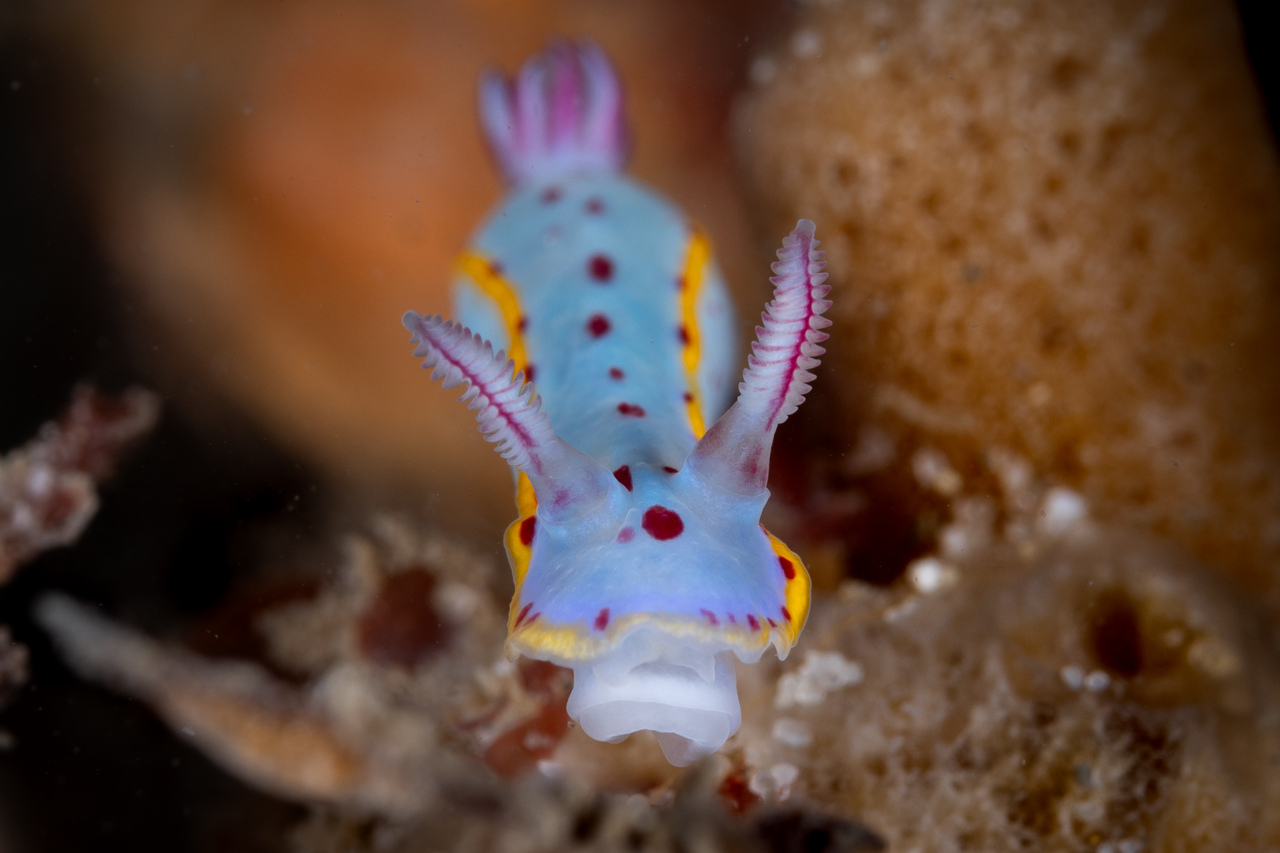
638 556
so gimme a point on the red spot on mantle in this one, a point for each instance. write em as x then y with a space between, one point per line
524 611
683 334
623 476
528 528
732 619
711 617
522 323
626 534
630 410
615 373
662 523
600 268
669 469
594 205
528 373
753 622
788 568
551 195
602 619
772 624
786 614
598 326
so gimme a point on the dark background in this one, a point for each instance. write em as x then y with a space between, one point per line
91 770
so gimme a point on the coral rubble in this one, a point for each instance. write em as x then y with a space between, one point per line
47 487
1053 233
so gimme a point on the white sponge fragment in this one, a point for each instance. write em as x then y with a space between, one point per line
692 706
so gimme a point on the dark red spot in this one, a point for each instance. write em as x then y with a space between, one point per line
688 397
523 613
630 410
551 195
623 476
522 323
786 614
595 205
602 619
683 334
400 626
669 469
600 268
598 326
518 750
737 794
772 624
626 534
753 622
615 373
534 618
495 267
711 617
527 528
732 620
788 568
679 282
661 523
528 373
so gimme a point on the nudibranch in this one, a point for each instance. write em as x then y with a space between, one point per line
638 555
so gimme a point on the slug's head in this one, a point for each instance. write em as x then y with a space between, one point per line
649 580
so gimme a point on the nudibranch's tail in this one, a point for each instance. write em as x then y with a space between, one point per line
511 416
562 115
734 453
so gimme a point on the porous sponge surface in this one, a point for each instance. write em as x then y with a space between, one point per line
1050 228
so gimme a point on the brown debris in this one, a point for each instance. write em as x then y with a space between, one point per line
47 487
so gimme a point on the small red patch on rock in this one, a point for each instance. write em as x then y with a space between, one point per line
602 619
630 410
711 617
662 523
528 528
598 326
400 626
615 373
626 534
623 476
600 268
736 792
518 750
788 568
